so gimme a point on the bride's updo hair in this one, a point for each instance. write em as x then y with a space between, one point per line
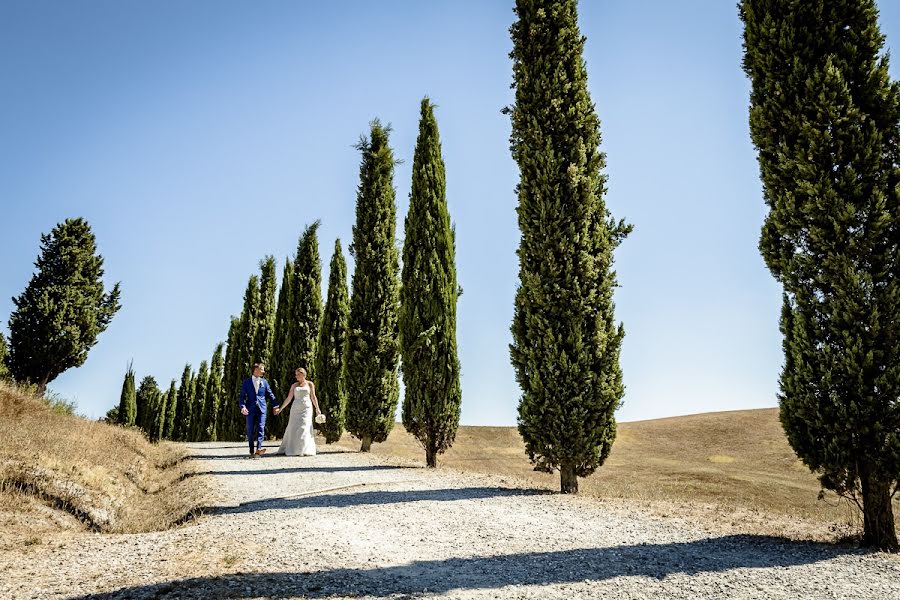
300 370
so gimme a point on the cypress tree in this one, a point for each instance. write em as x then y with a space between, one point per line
213 396
182 406
265 329
160 400
371 371
279 370
825 119
566 344
147 397
4 355
128 401
246 334
169 419
63 309
428 296
197 422
329 366
229 368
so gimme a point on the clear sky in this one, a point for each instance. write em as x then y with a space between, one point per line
198 136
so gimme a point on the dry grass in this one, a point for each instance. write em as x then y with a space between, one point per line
62 472
729 471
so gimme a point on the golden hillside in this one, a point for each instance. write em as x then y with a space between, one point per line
59 471
733 469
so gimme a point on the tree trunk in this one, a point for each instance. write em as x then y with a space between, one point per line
568 481
366 443
430 454
878 515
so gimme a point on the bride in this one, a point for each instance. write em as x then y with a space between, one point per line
298 438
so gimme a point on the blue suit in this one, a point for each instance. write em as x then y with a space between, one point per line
255 403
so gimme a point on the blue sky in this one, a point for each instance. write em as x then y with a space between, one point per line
198 136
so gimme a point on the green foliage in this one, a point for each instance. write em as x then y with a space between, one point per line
148 406
280 369
127 410
4 356
212 397
112 416
228 402
265 327
566 344
371 372
181 424
169 416
428 296
63 309
331 390
200 385
825 119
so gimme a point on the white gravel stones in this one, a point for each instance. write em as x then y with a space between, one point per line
348 525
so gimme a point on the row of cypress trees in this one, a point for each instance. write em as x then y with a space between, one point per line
352 345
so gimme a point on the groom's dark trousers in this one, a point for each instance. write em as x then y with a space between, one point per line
254 400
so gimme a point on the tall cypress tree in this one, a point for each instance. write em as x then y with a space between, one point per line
280 367
128 399
169 419
371 371
566 343
182 407
159 415
265 328
244 360
147 397
197 422
825 118
63 309
212 396
330 352
229 399
428 296
302 331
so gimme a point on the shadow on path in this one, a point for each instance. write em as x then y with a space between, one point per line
715 555
277 471
331 500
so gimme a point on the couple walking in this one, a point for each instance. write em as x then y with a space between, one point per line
299 439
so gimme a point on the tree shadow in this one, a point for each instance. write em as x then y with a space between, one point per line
331 500
657 561
245 452
282 471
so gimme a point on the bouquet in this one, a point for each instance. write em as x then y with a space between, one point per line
320 418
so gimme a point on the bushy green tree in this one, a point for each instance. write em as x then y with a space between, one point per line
566 343
148 404
4 355
825 119
330 349
428 296
63 309
371 371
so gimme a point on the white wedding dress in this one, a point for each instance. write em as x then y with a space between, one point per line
298 438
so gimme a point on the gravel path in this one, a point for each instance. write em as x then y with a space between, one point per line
349 525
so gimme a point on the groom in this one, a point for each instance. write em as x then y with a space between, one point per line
252 401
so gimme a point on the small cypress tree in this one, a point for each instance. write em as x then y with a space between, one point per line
197 422
330 349
428 296
160 400
279 370
169 418
566 344
4 355
825 119
179 429
63 309
213 396
127 413
371 370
